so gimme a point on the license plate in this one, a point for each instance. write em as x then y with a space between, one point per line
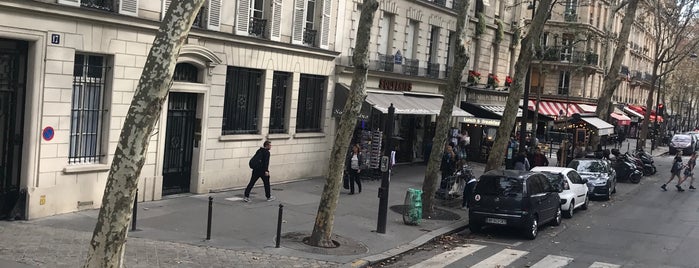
495 221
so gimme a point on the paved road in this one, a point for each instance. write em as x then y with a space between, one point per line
641 226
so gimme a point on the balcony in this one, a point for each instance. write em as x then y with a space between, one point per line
391 64
309 37
106 5
257 27
624 70
559 53
570 17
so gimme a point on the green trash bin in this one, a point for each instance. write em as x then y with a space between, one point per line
412 214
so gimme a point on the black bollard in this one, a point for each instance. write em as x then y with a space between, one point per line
279 225
134 215
208 223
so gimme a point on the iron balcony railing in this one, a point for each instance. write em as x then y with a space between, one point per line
106 5
309 37
559 53
648 77
624 70
411 67
257 27
570 17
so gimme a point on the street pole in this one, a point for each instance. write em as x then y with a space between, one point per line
525 99
386 164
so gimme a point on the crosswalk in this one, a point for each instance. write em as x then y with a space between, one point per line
502 258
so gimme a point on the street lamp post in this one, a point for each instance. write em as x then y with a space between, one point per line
525 98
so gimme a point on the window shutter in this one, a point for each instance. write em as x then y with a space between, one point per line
214 20
128 7
70 2
325 24
166 5
299 21
275 30
242 25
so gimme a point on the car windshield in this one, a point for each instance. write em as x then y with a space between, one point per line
681 138
499 186
587 166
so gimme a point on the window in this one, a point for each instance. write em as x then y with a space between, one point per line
386 34
309 34
432 64
411 39
451 48
242 101
186 72
87 109
499 186
310 104
107 5
564 83
280 90
567 51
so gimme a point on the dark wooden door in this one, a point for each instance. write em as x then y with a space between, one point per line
179 142
13 60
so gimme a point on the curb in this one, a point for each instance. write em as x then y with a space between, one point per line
373 259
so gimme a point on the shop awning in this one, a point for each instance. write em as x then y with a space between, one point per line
587 108
603 128
497 109
555 109
621 119
341 95
640 111
409 103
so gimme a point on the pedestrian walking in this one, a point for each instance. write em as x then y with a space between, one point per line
689 171
354 167
448 161
521 162
260 169
676 170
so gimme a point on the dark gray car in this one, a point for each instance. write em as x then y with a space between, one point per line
601 177
520 199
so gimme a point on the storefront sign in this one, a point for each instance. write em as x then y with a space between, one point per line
361 116
480 121
394 85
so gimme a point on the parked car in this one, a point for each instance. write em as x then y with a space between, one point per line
573 188
682 142
520 199
694 135
601 177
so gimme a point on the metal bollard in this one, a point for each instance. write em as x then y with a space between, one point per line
134 215
208 224
279 225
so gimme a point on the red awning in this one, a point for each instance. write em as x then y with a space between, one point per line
642 110
621 119
555 109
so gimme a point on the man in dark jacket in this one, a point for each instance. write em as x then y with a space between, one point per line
261 171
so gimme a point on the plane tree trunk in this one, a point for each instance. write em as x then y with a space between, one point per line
109 237
451 92
323 227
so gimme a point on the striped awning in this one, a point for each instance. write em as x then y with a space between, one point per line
555 109
498 109
621 119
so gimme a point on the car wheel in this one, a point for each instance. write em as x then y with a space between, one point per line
558 219
584 205
474 226
569 212
532 228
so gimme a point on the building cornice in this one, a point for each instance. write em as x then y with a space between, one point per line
37 9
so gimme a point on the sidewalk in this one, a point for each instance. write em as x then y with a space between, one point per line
172 231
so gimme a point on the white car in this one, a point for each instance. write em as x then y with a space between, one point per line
573 192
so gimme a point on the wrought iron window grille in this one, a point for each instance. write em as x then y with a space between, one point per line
87 109
258 27
309 37
242 101
106 5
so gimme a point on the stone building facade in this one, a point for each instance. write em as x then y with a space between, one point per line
251 71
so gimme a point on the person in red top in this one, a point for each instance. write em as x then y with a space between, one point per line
539 159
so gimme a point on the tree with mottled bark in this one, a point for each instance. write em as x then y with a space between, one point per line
109 238
611 79
323 227
451 91
497 153
674 28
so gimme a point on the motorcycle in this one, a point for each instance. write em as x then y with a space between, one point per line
453 186
626 168
648 163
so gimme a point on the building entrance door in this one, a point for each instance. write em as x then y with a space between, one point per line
13 66
179 142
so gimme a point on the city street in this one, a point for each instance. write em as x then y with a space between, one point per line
641 226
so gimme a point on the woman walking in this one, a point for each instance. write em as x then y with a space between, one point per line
676 170
689 171
355 167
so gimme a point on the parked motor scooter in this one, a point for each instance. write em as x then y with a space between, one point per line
626 168
648 163
453 186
